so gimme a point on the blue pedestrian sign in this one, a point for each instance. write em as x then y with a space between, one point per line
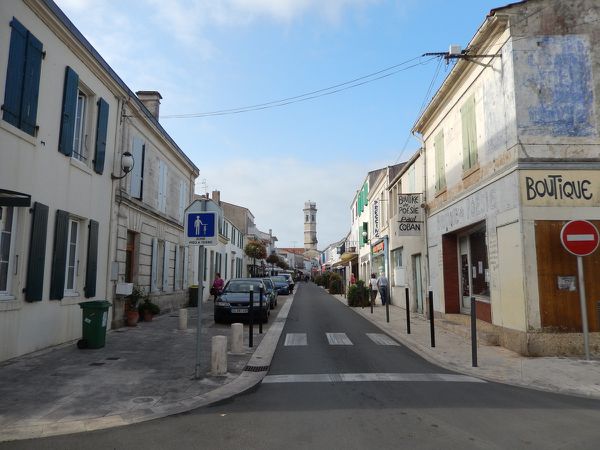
200 228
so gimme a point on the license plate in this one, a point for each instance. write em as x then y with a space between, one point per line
239 310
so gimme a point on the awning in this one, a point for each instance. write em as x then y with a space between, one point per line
347 257
12 198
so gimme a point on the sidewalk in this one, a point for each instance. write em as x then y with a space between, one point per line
565 375
142 373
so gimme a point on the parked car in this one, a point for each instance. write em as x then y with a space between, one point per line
270 288
281 284
233 303
289 279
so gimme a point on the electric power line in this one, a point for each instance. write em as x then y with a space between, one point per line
313 94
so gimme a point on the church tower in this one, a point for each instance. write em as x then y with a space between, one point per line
310 225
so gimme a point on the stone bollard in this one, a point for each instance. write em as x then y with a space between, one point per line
237 338
219 355
183 315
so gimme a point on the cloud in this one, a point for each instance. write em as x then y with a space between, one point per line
275 190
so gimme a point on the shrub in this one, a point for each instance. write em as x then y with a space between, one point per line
325 276
335 286
319 280
358 294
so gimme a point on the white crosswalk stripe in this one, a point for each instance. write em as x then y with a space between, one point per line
358 377
338 339
294 339
381 339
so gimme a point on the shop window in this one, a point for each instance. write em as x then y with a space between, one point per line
479 264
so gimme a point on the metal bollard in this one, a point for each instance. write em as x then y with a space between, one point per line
473 332
260 308
387 304
432 328
218 356
251 314
237 338
407 311
183 318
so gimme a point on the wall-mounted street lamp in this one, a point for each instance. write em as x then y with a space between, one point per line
127 164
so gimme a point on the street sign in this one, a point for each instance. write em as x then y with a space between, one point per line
200 228
579 237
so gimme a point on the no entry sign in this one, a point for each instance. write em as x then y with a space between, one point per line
579 237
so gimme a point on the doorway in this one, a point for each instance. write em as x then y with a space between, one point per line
418 282
465 274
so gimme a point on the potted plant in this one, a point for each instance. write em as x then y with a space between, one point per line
147 309
131 305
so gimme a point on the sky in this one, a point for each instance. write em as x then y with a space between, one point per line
207 56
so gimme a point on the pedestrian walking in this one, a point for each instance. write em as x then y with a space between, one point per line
382 284
352 278
217 286
373 288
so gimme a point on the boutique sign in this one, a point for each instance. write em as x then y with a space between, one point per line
560 188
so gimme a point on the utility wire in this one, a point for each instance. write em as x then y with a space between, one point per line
313 94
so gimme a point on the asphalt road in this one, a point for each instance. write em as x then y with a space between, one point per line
337 382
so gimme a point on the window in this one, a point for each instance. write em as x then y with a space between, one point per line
72 261
183 198
312 218
306 218
440 165
160 258
129 256
79 144
397 258
22 79
469 134
7 230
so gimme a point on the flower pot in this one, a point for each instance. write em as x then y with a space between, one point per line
132 318
148 316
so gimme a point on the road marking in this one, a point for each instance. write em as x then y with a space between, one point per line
361 377
381 339
338 339
293 339
580 237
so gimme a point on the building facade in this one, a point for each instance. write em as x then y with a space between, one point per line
511 154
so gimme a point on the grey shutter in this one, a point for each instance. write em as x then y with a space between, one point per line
59 255
154 265
69 108
101 132
177 280
15 74
186 259
165 263
136 175
37 253
92 260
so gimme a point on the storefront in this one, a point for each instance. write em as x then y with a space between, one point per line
379 264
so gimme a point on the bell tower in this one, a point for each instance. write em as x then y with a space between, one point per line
310 225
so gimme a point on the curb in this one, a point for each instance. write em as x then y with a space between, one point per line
262 356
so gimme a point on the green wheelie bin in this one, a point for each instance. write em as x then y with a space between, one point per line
95 318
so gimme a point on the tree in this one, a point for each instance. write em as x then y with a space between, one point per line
273 259
255 250
283 265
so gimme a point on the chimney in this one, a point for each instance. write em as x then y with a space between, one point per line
216 196
151 100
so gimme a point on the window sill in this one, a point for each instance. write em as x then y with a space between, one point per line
9 303
440 192
81 166
467 173
18 133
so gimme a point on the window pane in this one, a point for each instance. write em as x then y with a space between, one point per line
4 246
3 276
79 136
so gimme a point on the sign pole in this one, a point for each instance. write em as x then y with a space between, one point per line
582 302
201 263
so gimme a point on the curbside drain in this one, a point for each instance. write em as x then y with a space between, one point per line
256 368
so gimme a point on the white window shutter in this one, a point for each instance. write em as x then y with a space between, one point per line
135 176
182 198
177 282
165 263
154 266
186 259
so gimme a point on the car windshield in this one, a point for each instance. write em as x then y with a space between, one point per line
268 284
280 279
243 285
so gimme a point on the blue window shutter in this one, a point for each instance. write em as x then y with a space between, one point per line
92 260
69 107
101 132
59 256
37 253
15 74
31 84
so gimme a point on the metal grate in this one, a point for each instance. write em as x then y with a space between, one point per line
256 368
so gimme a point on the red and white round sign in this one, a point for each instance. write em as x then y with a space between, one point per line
579 237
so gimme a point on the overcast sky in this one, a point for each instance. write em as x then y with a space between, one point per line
213 55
